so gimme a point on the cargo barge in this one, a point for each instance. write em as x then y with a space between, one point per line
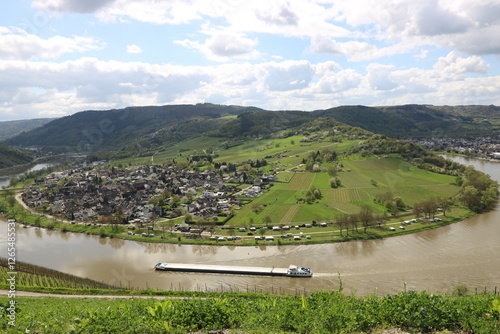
292 271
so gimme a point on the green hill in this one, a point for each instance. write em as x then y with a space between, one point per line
408 121
9 129
97 130
140 130
10 157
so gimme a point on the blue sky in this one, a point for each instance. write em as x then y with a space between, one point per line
58 57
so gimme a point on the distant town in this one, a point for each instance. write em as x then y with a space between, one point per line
482 147
91 193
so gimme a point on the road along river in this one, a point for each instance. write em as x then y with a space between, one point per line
466 252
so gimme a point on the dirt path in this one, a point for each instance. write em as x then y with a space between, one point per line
38 294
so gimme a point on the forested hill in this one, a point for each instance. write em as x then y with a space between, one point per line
10 157
407 121
98 129
9 129
144 127
417 120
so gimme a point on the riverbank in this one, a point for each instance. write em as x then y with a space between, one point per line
302 234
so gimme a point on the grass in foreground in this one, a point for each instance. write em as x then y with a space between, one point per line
321 312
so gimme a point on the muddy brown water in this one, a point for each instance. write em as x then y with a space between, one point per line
466 252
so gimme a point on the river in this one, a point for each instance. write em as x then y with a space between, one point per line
436 260
5 177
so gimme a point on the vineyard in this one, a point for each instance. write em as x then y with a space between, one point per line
301 181
362 180
29 275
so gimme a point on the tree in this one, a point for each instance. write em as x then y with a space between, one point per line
445 205
353 222
383 218
268 220
335 182
489 198
262 231
479 191
343 223
174 201
430 207
37 221
332 171
12 201
399 203
163 226
256 208
391 207
418 209
365 215
153 219
249 223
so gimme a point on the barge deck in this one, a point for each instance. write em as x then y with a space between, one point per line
292 271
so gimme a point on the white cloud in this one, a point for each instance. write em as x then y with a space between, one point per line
133 49
161 12
380 76
278 14
481 41
290 18
321 44
72 6
430 18
288 75
224 45
15 43
470 26
339 82
453 66
41 88
90 82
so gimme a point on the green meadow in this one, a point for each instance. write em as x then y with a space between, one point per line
362 181
362 178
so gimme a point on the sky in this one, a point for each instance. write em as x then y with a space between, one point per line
58 57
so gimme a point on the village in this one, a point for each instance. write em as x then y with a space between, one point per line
140 194
481 147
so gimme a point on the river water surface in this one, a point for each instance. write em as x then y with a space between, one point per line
466 252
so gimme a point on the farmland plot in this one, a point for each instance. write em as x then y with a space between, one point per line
322 180
346 207
354 180
291 212
345 195
301 181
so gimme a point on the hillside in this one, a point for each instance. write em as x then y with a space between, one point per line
319 312
139 129
96 130
9 129
316 172
10 157
478 113
411 121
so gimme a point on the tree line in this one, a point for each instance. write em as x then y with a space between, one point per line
479 192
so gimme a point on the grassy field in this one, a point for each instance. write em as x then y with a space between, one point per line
172 152
362 180
320 312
